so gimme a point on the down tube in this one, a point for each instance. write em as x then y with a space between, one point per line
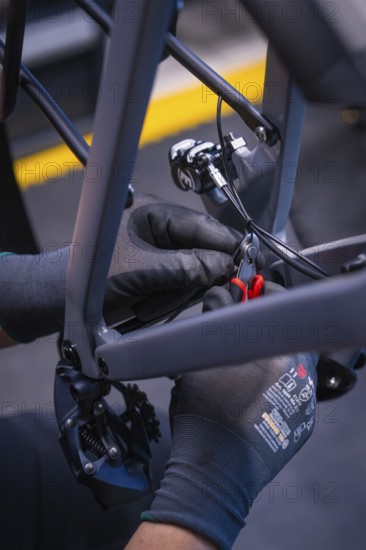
135 49
321 317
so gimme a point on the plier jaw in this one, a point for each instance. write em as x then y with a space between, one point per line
248 283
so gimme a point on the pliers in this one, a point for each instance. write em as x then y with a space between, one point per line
248 283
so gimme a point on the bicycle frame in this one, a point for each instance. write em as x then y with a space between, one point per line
297 321
234 335
98 443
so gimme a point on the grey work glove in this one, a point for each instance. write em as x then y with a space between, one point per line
163 254
234 429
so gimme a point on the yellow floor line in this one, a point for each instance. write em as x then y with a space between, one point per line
166 116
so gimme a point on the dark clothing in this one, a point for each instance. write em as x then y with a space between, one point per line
43 507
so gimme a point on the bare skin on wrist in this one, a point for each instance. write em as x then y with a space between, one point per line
162 536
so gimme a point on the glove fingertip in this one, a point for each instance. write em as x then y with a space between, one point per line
271 288
216 297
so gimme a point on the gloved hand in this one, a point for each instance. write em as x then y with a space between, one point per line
163 254
234 429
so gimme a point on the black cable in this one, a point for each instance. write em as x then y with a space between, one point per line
105 21
265 237
314 274
292 250
224 156
235 203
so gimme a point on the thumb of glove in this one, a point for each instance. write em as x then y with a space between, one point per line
219 296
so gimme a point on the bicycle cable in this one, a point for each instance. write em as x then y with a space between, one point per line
316 272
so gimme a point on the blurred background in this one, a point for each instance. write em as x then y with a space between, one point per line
319 499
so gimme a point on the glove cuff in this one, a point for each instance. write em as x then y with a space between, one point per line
205 487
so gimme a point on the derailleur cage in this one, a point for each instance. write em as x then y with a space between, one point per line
107 450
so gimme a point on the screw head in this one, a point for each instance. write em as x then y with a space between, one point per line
261 134
333 382
69 353
89 468
70 423
99 406
113 452
103 367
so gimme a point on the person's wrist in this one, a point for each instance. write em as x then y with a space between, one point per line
164 536
205 487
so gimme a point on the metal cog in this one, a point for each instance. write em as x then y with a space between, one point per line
138 403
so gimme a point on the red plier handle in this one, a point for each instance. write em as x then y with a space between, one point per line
247 284
240 292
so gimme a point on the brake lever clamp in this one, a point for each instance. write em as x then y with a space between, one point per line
107 450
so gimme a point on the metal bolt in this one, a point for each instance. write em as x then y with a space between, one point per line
99 406
261 134
251 251
103 367
69 353
89 468
70 423
113 452
333 382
